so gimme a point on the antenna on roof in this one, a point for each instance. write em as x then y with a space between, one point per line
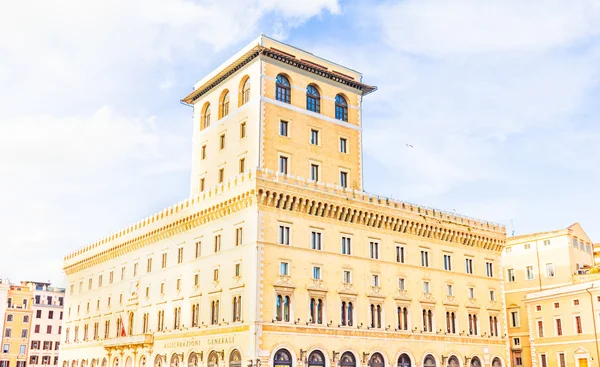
512 224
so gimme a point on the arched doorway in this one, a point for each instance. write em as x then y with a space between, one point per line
453 362
129 362
175 360
404 360
475 362
158 361
376 360
282 358
213 359
496 362
193 360
429 361
348 360
235 359
316 358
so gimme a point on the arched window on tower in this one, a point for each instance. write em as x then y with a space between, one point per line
341 108
313 99
245 91
225 104
205 118
282 89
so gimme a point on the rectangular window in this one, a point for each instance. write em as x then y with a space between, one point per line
546 242
556 305
469 266
510 275
222 141
489 269
238 270
401 284
5 349
343 145
375 280
242 130
122 273
22 349
575 242
217 243
575 302
346 245
149 265
283 128
471 293
164 260
578 328
178 285
543 362
449 290
516 341
347 276
284 268
529 272
558 327
374 250
400 254
549 270
527 246
89 284
135 266
316 272
314 137
314 172
180 255
492 295
221 175
425 258
198 249
283 165
196 279
242 165
239 236
514 318
203 152
448 262
315 240
202 180
50 315
99 280
343 179
426 287
561 360
215 275
284 235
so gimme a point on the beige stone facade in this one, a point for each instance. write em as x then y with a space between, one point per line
283 260
46 328
540 263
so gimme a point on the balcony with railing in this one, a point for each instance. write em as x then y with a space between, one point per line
129 341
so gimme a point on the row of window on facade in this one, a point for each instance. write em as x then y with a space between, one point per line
49 300
558 324
7 364
402 317
37 330
511 275
45 360
400 255
578 244
217 240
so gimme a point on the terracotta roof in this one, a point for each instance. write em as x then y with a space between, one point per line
282 57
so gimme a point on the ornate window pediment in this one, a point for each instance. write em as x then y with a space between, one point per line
285 282
427 298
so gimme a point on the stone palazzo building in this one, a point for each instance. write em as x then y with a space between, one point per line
279 258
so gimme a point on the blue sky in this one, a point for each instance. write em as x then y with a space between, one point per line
500 100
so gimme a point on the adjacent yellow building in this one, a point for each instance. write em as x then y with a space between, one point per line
17 325
540 267
279 258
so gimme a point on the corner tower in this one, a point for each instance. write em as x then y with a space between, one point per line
280 108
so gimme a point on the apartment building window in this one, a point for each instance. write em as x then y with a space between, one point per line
469 266
222 141
7 333
527 246
162 288
135 268
561 360
6 349
22 349
148 265
164 260
146 322
451 322
401 284
214 312
35 344
203 152
402 317
472 323
111 277
347 313
575 242
196 279
492 295
546 242
448 262
549 270
427 321
575 302
400 254
221 175
25 331
514 319
282 308
314 137
238 236
314 172
313 99
316 240
284 268
99 280
489 269
177 318
426 287
106 329
343 145
316 311
198 251
425 258
195 315
346 245
529 272
471 293
242 130
558 324
374 250
89 284
556 305
32 360
344 179
282 89
341 108
122 273
375 280
180 255
578 327
50 315
283 128
236 309
284 234
283 165
540 328
510 275
347 277
178 285
242 165
494 326
147 292
215 275
238 270
375 316
36 329
449 290
161 320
